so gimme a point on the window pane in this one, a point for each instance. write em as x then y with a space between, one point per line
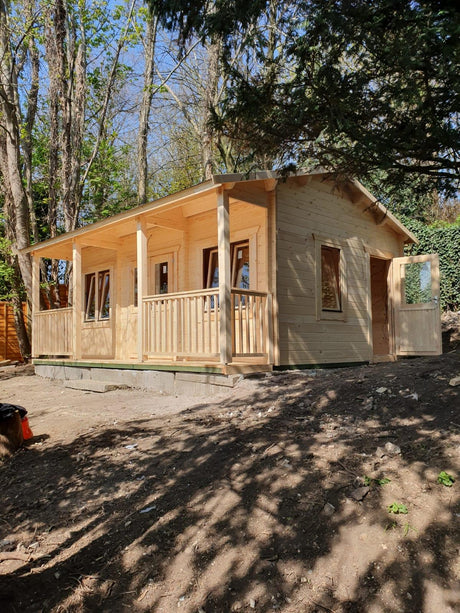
161 278
90 297
417 283
330 279
104 294
240 265
135 287
213 270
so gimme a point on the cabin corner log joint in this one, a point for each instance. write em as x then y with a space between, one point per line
241 274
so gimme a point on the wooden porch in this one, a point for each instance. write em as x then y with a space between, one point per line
184 282
182 329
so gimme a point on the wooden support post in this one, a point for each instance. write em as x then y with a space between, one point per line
35 302
77 300
223 248
141 285
117 343
272 259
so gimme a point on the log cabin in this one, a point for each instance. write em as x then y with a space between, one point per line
240 274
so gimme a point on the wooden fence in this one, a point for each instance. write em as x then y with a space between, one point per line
9 346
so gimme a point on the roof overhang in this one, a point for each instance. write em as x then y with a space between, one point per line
354 189
61 246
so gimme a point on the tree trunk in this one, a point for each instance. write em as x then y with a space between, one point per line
10 123
32 100
16 289
146 104
18 314
210 100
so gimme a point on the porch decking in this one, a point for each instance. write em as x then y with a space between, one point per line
181 331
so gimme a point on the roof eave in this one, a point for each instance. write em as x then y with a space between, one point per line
389 218
137 211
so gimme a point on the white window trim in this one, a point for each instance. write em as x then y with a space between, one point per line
322 314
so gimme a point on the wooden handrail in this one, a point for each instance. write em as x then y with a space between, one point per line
203 292
199 292
52 311
248 292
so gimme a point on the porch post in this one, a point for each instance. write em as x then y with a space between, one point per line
76 297
225 296
35 302
141 285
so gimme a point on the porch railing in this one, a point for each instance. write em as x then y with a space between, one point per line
53 332
249 323
187 324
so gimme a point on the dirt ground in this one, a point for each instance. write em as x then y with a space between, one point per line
251 501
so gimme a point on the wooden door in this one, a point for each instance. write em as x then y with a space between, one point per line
416 305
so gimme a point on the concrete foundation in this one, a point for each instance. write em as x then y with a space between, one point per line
166 382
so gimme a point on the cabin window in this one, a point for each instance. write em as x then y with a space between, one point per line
97 296
331 295
239 262
331 280
90 297
161 278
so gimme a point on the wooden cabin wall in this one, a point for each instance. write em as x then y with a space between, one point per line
97 337
317 209
246 220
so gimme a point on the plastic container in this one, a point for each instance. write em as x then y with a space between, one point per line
26 431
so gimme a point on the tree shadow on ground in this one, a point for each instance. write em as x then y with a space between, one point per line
228 509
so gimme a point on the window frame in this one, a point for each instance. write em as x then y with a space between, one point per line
329 314
97 284
248 237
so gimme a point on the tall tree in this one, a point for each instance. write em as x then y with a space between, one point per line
146 105
372 84
15 199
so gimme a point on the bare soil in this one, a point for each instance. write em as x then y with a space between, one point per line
131 501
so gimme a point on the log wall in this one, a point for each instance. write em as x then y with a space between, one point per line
306 217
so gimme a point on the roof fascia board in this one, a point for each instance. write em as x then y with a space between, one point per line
389 218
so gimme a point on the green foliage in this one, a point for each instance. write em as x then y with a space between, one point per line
407 528
443 239
397 508
8 273
417 283
371 481
445 479
369 85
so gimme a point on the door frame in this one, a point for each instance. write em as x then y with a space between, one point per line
169 256
372 252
